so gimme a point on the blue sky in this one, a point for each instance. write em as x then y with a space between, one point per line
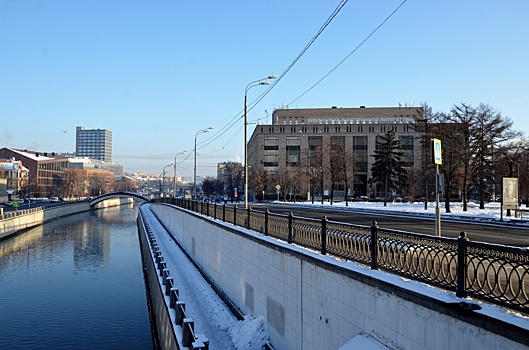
156 72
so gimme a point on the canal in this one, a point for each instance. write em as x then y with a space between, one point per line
75 283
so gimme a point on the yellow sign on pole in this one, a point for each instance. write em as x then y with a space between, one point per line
278 187
436 152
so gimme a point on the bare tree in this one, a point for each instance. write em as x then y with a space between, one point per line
234 178
452 137
425 125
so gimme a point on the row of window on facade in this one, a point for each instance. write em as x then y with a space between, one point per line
359 150
338 129
326 120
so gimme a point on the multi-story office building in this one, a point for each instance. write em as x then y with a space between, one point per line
297 138
94 143
47 170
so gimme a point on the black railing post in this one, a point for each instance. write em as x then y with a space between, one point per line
462 243
324 221
202 207
207 208
267 213
373 246
290 227
215 210
248 217
235 214
224 212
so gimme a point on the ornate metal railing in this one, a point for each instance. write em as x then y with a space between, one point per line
494 273
498 273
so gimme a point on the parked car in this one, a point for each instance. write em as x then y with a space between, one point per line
54 199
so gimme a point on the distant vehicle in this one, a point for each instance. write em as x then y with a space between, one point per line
9 203
54 199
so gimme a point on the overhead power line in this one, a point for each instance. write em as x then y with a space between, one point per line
252 104
352 52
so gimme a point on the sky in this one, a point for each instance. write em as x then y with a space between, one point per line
156 73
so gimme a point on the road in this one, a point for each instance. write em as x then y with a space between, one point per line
25 205
499 233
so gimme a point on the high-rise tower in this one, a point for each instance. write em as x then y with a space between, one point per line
94 143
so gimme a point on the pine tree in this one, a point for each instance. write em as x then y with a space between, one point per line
387 169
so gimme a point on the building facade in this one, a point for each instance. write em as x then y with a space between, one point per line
15 173
93 143
47 171
95 164
301 145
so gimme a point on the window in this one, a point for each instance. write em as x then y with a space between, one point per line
360 153
293 151
406 145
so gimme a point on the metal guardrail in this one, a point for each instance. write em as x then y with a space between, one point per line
190 339
493 273
43 206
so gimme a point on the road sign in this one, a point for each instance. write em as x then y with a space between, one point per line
436 152
278 187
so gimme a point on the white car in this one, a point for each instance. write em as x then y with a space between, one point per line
54 199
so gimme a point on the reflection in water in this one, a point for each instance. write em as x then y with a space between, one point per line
75 283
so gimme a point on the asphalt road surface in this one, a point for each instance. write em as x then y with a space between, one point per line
499 233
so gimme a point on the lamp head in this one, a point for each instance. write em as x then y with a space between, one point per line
265 83
272 76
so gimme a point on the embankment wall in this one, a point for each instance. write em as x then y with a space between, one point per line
317 302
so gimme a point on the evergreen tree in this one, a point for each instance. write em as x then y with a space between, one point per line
387 169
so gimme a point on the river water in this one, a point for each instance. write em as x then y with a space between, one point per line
75 283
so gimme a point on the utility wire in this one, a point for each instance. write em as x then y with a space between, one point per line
352 52
252 104
309 44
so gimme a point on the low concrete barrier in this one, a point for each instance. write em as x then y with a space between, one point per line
311 301
14 222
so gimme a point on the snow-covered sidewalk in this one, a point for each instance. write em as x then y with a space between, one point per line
211 315
491 213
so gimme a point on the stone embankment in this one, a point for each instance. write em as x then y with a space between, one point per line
14 222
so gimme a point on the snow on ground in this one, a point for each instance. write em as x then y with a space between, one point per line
492 211
211 315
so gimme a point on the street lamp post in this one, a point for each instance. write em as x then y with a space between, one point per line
262 81
195 162
174 173
163 178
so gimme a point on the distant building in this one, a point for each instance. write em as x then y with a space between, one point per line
90 182
298 136
230 174
93 143
3 191
95 164
15 173
47 171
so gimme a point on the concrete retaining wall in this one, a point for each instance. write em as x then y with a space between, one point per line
14 222
166 335
317 302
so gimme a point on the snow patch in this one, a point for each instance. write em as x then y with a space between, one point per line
250 333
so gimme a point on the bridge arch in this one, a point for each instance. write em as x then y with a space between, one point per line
118 194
